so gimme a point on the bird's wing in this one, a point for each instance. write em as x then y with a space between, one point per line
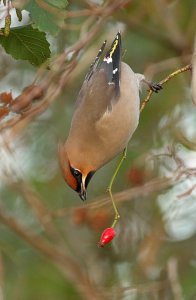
101 87
95 97
111 63
95 63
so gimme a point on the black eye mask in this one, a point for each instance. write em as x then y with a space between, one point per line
78 176
88 178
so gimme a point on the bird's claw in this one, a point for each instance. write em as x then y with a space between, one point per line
155 87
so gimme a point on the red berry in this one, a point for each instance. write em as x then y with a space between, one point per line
3 112
107 235
136 176
6 98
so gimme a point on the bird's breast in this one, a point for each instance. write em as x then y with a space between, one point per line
95 140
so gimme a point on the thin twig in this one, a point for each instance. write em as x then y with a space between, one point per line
153 186
149 287
53 89
164 65
188 192
57 256
168 19
163 81
172 269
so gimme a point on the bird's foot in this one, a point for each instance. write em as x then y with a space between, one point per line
155 87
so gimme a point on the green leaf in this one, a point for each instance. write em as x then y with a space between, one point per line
27 43
58 3
44 20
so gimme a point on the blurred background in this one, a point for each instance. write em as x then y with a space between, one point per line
48 244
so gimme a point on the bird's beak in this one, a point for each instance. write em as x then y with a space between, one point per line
82 192
82 195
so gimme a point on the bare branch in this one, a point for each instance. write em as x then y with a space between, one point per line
61 66
172 269
56 255
188 192
163 81
153 186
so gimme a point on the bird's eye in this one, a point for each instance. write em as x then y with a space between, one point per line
76 173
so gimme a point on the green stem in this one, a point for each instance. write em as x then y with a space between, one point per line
109 189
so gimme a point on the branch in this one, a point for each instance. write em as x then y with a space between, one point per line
153 186
172 269
62 67
163 81
57 256
40 211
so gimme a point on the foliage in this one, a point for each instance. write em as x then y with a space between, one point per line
29 42
43 19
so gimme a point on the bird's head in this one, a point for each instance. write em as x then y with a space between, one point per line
76 177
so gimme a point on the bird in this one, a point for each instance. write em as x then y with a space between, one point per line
105 117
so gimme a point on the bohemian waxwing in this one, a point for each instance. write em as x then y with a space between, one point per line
105 117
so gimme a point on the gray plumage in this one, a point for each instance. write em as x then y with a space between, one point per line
102 122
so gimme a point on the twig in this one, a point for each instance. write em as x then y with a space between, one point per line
172 28
184 140
172 269
153 186
163 81
187 193
40 211
175 73
54 89
36 204
139 289
57 256
138 24
164 65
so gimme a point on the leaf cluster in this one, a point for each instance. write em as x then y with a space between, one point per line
29 41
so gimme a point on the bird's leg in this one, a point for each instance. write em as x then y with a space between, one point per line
109 189
154 87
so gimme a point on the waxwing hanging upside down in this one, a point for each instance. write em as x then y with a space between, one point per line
105 117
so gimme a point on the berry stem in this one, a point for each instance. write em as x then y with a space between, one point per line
109 189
